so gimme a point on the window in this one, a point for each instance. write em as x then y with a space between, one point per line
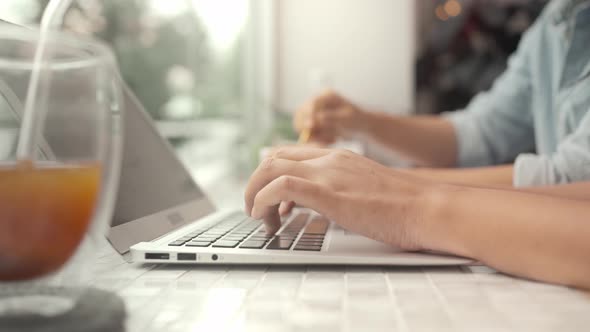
189 62
183 58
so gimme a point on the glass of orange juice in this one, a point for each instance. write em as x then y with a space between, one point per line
62 193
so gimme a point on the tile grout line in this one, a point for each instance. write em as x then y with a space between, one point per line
298 290
441 298
345 318
241 308
401 323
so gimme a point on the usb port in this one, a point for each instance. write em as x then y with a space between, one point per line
187 257
155 255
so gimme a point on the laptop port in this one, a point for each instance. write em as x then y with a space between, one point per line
186 257
155 255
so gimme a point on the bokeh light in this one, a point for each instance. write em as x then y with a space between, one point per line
440 13
453 8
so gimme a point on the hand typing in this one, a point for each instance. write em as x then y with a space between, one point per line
359 194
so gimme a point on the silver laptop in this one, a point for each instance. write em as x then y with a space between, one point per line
162 216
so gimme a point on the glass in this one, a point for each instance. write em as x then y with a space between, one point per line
54 203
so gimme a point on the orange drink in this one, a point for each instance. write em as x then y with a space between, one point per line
45 210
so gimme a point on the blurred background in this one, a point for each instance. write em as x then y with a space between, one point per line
222 77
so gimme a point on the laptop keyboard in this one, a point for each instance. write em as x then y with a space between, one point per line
239 231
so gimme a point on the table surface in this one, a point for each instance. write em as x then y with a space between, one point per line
299 298
305 298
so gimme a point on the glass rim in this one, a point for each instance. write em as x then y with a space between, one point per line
96 51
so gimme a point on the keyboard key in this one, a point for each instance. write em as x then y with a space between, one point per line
234 237
247 228
214 233
301 240
307 247
309 243
235 231
225 244
263 240
313 236
240 233
299 220
206 238
287 237
231 239
198 244
262 237
319 225
253 244
176 243
210 235
279 244
221 228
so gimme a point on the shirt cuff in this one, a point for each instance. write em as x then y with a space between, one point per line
469 143
533 170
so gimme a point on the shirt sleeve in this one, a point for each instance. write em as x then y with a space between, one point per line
570 163
498 125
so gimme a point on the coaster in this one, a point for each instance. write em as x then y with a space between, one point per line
61 309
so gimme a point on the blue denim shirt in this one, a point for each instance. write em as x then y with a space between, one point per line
538 111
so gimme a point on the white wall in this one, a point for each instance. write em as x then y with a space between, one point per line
362 48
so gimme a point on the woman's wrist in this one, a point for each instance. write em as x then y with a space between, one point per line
369 122
365 121
440 225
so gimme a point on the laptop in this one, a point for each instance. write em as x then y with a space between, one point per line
163 216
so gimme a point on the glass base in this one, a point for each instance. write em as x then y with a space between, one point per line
43 305
62 309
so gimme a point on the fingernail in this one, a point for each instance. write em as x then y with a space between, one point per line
254 214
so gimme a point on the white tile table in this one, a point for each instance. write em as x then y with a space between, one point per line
278 298
270 298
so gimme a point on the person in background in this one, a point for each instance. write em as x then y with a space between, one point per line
534 121
537 112
463 46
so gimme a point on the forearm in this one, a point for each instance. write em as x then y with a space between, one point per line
425 140
524 234
578 190
499 177
496 176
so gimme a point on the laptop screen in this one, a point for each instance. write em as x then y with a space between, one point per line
156 193
152 180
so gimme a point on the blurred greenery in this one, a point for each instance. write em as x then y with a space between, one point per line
149 46
283 127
